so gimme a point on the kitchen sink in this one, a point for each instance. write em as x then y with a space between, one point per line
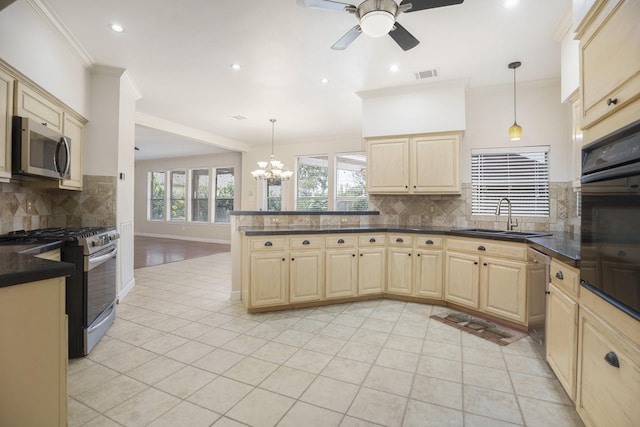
501 233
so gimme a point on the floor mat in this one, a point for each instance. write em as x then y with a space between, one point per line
490 331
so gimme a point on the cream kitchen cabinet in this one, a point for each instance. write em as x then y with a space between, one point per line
6 108
487 276
33 333
269 279
418 164
306 269
609 63
73 128
400 280
608 365
31 103
341 277
372 264
415 266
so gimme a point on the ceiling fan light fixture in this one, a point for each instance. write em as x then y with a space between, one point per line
377 23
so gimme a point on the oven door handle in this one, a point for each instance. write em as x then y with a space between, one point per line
94 262
105 317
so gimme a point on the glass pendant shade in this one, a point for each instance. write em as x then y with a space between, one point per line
515 132
273 169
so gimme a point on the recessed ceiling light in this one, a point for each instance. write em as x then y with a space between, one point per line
117 28
235 67
324 80
508 4
394 68
238 117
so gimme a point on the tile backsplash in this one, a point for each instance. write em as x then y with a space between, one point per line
26 207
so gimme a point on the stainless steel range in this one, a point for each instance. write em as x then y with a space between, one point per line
91 289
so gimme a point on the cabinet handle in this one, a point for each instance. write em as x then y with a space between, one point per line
305 242
340 241
475 262
622 253
547 292
399 240
406 186
409 254
293 259
429 242
44 123
372 240
482 248
268 244
418 255
485 264
613 101
612 359
559 275
284 259
415 186
353 254
535 261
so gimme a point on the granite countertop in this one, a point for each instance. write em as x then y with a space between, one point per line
564 246
18 264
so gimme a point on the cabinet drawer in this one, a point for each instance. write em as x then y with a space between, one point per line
566 278
400 240
489 247
428 242
305 242
372 240
340 241
267 244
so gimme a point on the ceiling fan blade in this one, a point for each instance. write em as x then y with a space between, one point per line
403 37
417 5
325 4
347 39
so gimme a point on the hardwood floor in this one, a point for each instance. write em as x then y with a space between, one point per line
150 251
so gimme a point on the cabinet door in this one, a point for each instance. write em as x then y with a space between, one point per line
610 60
341 273
388 166
400 271
562 338
371 270
428 274
463 274
268 280
73 129
607 395
30 103
435 164
6 108
305 276
504 288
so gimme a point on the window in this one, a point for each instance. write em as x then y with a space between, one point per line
312 183
178 190
522 175
157 195
273 197
200 195
225 184
351 184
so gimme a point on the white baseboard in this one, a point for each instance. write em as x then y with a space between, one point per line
235 295
125 290
192 239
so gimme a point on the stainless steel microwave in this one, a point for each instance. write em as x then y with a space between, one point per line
39 152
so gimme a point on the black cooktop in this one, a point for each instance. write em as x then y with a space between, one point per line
53 233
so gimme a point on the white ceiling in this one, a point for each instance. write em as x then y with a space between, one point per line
179 55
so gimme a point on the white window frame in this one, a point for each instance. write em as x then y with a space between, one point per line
328 196
214 191
170 198
192 196
337 198
508 172
150 196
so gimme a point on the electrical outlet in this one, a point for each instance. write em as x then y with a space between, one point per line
275 220
343 220
29 207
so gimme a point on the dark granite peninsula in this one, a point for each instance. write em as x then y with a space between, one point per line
20 264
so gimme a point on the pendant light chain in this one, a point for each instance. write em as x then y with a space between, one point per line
515 117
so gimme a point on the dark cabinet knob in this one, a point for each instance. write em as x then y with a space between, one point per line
340 241
360 254
284 259
485 264
399 240
409 254
612 359
429 242
372 240
353 254
622 253
418 255
306 242
482 248
612 101
547 292
475 262
406 186
415 186
44 123
293 259
268 244
559 275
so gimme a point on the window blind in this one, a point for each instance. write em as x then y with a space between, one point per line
521 176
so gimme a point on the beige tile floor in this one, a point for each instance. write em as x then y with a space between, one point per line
181 353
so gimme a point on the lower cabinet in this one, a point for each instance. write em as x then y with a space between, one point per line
608 373
503 287
463 279
427 273
269 279
306 276
372 264
562 337
400 271
341 273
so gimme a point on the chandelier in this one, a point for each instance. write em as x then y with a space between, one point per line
273 169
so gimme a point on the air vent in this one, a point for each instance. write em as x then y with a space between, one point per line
427 74
239 117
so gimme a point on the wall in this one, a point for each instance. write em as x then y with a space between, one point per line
252 192
217 233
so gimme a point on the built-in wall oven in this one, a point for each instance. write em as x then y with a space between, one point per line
91 289
610 230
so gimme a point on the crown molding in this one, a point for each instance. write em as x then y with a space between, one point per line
52 20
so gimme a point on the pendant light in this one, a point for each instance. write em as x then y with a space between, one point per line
515 131
273 169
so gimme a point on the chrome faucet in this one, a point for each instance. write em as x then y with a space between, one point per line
510 224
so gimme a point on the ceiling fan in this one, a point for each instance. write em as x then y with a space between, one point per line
378 17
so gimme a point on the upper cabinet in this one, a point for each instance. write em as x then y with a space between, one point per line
29 103
418 164
610 65
6 104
